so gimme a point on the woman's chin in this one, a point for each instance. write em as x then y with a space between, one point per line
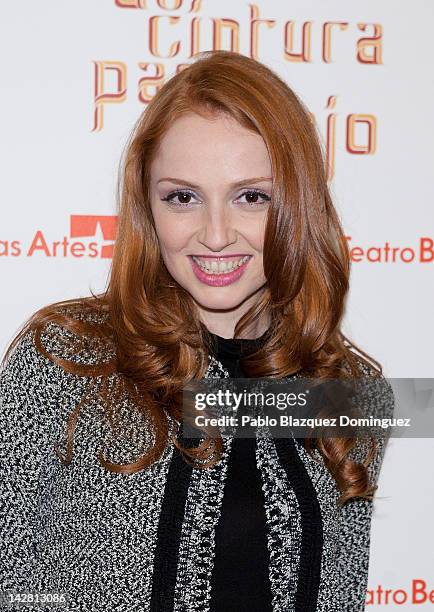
220 298
219 304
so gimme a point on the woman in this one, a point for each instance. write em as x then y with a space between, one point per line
230 261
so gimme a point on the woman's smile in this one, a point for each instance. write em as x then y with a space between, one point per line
219 271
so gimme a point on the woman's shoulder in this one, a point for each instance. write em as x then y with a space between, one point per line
87 346
373 389
70 335
27 366
45 360
40 388
374 397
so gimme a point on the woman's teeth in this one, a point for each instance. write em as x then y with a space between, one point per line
220 267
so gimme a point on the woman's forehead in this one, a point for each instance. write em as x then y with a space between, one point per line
194 145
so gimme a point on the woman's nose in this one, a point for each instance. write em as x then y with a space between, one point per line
218 229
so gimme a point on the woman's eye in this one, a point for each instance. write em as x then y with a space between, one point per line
255 198
184 198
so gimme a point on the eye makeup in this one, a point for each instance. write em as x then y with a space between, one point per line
183 193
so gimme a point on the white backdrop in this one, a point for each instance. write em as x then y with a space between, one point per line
73 81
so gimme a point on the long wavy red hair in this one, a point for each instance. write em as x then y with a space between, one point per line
156 339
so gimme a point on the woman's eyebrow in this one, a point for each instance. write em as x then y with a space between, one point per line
178 181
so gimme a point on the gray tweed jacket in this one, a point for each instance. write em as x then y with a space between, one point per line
144 542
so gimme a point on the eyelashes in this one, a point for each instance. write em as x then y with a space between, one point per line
185 193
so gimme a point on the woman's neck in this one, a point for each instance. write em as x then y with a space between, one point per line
225 330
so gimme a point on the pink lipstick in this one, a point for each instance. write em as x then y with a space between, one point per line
220 279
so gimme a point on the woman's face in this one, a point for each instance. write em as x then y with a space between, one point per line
210 190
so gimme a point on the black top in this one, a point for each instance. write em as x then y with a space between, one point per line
230 350
240 580
240 574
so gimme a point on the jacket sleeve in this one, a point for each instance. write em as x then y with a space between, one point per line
356 514
29 384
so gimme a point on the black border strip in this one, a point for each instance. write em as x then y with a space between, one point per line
312 539
166 554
